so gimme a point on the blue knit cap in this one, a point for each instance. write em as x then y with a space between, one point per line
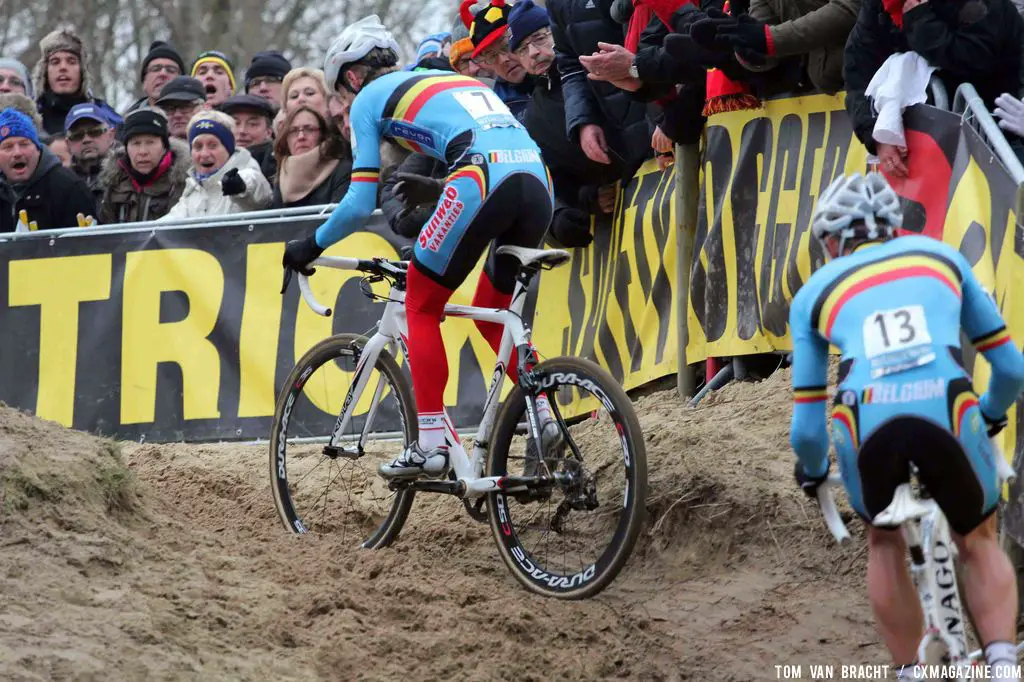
525 18
208 126
431 44
13 123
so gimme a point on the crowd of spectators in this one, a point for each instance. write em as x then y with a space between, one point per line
601 85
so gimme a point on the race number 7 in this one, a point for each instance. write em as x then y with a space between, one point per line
886 331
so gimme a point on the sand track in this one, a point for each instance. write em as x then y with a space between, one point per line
167 562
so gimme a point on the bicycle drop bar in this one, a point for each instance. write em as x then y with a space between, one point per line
342 263
827 502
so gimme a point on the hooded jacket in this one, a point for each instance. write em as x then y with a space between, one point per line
123 202
53 197
205 198
54 108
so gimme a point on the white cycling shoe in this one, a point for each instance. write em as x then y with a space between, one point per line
415 461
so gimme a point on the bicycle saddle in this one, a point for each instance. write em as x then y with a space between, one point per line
904 507
550 257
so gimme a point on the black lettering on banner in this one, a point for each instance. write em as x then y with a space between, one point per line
756 140
774 306
805 209
661 293
712 303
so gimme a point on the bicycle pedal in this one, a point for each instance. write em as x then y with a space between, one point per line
335 452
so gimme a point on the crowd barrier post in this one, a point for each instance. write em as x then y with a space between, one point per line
687 170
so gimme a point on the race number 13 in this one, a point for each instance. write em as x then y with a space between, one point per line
886 331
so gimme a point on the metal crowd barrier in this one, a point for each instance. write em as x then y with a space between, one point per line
968 103
250 218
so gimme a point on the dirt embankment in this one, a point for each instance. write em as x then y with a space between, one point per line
167 562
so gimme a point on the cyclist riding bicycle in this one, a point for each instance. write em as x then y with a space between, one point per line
895 309
497 190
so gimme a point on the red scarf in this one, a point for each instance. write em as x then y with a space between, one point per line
724 94
894 8
142 181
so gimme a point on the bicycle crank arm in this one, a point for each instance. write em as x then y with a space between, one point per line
511 484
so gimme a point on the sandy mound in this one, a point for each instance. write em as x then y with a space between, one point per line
187 574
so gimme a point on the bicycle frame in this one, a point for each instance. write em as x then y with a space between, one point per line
392 332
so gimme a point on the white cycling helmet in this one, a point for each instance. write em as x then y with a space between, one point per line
354 43
857 205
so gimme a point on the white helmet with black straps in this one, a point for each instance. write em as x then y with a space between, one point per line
354 43
857 206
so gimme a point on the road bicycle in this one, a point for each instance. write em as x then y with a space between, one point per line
933 566
564 511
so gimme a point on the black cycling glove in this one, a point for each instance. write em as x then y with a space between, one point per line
809 484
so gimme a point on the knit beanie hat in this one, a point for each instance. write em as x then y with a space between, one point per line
145 122
161 50
13 123
215 123
523 19
15 65
217 58
462 44
269 63
432 44
487 26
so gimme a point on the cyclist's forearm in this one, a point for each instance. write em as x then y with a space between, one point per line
351 214
808 432
1007 379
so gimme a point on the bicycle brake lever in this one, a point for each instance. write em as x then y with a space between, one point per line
287 280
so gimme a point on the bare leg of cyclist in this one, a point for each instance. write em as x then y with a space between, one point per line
892 595
990 589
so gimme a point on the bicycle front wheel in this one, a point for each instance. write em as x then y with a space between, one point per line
324 480
570 538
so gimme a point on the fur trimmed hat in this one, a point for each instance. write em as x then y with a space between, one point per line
61 40
24 104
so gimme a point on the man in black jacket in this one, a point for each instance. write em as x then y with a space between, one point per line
582 187
608 123
33 180
975 41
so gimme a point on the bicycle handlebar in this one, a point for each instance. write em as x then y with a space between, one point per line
827 499
383 268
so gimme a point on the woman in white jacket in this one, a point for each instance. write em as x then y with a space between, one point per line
222 179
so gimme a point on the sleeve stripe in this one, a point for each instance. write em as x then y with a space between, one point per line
990 341
810 394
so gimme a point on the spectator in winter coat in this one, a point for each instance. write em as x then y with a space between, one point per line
305 87
813 30
607 123
582 187
145 178
253 116
14 77
314 163
33 180
490 50
213 70
181 99
265 75
89 138
223 179
61 79
160 65
975 41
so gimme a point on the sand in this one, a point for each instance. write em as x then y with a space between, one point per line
168 562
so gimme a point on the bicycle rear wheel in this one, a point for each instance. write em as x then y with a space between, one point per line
325 485
571 540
